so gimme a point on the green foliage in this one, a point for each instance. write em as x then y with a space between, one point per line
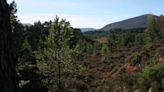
37 32
104 49
96 47
118 38
95 34
152 76
151 33
58 59
25 58
112 41
23 83
136 58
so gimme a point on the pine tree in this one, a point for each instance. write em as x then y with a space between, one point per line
7 64
57 60
112 41
161 23
151 32
161 27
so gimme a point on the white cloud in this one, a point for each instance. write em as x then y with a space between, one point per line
75 20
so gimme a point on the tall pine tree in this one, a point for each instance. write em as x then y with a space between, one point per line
7 63
152 32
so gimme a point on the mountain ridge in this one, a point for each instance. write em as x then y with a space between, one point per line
135 22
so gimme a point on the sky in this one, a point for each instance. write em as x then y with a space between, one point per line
86 13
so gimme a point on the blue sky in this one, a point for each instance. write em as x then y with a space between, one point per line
86 13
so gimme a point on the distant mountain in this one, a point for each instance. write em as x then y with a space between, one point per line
87 29
136 22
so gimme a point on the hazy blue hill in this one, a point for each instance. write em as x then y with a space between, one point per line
87 29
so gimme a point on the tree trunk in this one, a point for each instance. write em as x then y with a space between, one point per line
7 64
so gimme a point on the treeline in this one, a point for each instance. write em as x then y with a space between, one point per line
99 33
125 38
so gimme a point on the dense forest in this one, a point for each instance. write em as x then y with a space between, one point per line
55 57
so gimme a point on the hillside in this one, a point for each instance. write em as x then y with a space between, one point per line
136 22
121 68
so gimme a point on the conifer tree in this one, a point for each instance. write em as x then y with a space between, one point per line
7 63
57 60
112 41
151 32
